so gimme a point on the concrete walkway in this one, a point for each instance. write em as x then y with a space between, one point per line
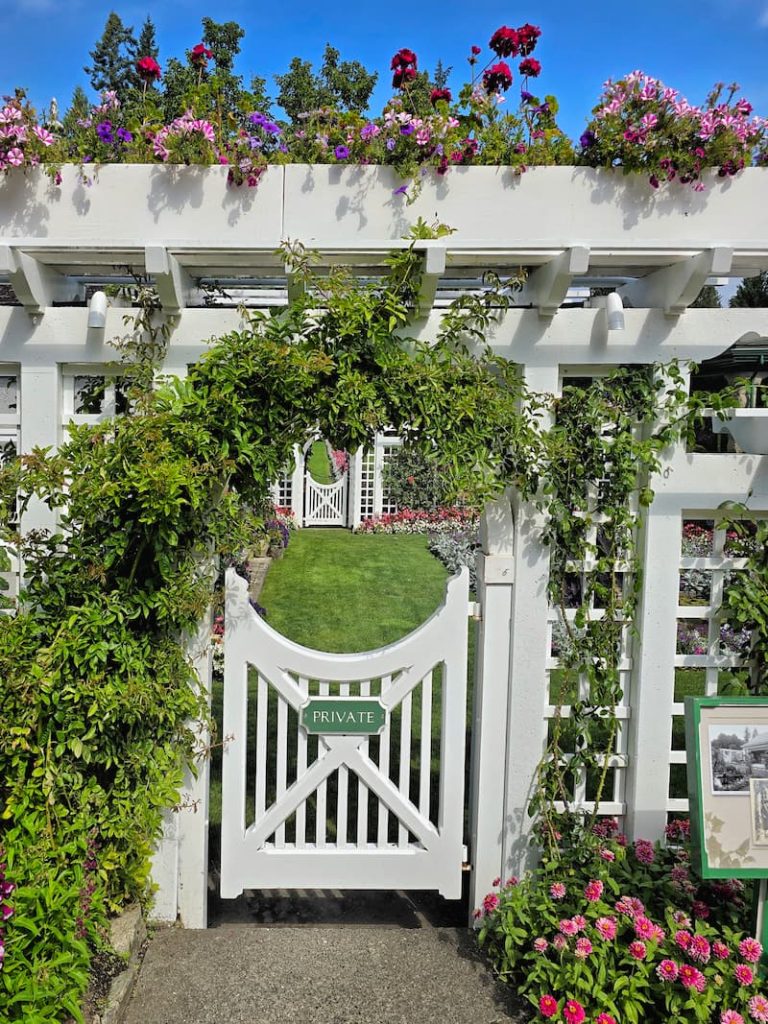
310 959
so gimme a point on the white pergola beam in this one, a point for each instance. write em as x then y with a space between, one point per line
173 283
674 288
433 269
547 287
35 285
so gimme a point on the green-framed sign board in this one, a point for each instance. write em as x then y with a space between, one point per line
727 744
343 716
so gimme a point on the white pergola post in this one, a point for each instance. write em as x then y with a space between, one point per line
495 580
528 696
40 424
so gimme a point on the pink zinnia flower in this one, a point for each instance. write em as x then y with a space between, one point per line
699 949
608 855
644 851
638 950
568 926
691 977
758 1008
547 1006
584 948
557 891
573 1012
731 1017
630 905
720 950
644 927
605 1018
667 970
580 921
540 945
683 939
606 927
593 890
751 950
496 881
743 974
559 942
490 902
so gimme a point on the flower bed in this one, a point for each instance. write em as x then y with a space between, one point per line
443 521
611 932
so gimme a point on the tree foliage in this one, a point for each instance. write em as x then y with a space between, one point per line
753 291
345 85
113 57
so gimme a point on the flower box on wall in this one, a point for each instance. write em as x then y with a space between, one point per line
546 207
747 427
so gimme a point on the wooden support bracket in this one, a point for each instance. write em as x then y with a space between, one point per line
674 288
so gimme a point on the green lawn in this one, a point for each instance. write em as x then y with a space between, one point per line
318 463
338 591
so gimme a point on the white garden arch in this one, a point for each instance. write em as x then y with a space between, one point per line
568 227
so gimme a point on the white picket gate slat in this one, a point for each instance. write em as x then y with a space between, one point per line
325 504
351 849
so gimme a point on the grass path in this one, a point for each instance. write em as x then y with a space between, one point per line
342 592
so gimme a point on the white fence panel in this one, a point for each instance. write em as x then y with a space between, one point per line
344 811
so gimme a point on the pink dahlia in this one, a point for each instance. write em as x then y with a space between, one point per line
593 890
751 950
573 1012
547 1006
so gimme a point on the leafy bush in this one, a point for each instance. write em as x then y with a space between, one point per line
414 482
455 550
615 932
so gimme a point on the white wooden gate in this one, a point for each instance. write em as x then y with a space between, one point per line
344 811
325 504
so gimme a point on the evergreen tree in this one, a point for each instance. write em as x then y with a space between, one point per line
753 291
113 57
79 108
708 298
345 85
145 47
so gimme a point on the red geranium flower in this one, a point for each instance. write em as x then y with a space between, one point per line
440 94
404 67
531 67
148 68
527 36
497 78
505 42
200 55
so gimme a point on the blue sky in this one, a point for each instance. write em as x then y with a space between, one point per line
688 45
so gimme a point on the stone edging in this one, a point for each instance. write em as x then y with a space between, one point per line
127 936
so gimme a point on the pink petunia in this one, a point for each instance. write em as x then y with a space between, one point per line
15 157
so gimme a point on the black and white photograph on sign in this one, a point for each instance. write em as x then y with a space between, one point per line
739 756
758 798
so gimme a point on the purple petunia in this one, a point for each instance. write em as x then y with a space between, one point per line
390 144
341 152
587 139
124 135
104 131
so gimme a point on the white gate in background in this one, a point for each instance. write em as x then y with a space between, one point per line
325 504
344 811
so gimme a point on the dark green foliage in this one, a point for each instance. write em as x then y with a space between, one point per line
146 46
113 57
708 298
414 481
753 291
345 85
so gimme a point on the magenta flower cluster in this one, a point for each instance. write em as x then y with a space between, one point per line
6 910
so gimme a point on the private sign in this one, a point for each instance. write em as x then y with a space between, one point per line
343 716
